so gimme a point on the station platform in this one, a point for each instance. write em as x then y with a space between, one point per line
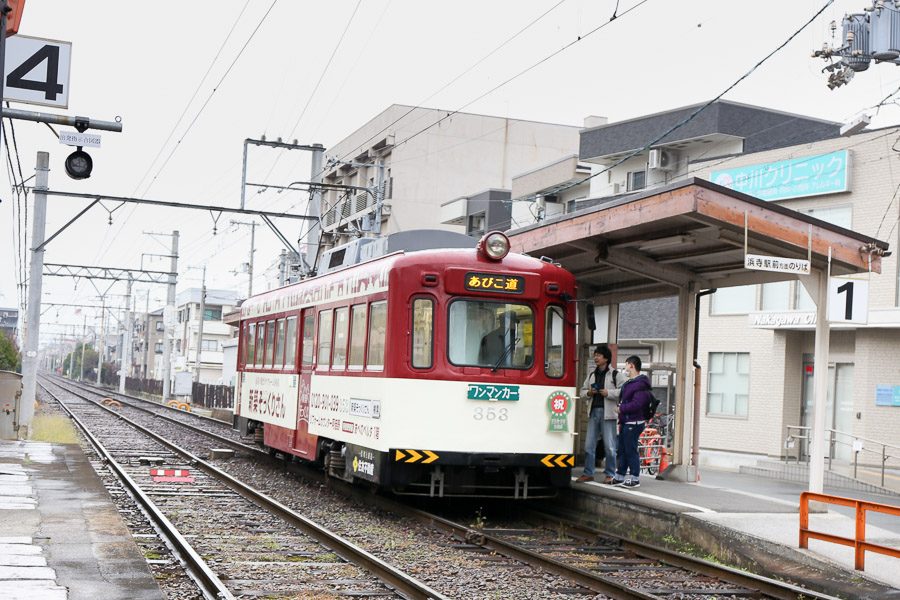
748 522
61 536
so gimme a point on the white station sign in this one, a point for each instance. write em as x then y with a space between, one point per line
848 300
37 71
74 138
780 264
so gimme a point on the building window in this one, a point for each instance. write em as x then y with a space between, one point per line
160 326
158 348
476 224
212 314
208 345
775 296
637 180
738 300
728 388
423 333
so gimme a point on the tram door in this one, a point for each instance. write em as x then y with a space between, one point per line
305 444
839 406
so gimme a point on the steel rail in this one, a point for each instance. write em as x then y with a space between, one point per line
766 585
219 438
209 582
396 579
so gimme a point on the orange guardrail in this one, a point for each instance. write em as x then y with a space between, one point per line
858 543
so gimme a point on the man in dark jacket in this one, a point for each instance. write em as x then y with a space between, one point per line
635 397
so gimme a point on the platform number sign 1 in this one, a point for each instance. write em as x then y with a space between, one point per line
37 71
848 300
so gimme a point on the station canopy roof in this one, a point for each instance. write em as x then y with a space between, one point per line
651 243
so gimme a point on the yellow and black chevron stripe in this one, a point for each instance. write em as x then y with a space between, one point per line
558 460
423 457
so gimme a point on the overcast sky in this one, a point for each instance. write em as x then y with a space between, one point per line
144 62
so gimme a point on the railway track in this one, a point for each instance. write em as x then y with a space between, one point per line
234 540
588 561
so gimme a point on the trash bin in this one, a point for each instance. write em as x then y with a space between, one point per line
10 395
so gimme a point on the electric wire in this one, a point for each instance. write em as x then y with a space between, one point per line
196 116
16 222
701 108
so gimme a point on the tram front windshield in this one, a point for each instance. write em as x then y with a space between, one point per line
491 334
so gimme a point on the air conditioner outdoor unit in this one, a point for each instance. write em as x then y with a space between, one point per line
660 159
616 188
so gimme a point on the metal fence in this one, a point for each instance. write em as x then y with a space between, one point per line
202 394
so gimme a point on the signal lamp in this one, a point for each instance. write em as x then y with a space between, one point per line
79 164
494 245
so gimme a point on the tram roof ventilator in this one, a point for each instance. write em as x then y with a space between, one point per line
365 249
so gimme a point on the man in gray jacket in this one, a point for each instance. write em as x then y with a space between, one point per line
602 387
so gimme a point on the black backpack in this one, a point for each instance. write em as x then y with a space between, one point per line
650 411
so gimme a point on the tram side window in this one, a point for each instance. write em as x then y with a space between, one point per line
290 336
339 352
357 336
554 333
377 327
423 333
270 343
249 338
278 363
324 353
309 332
260 343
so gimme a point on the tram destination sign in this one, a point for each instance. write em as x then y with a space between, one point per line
779 264
491 282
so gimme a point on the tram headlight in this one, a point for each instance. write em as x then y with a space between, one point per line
495 245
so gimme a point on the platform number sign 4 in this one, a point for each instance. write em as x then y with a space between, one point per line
37 71
848 300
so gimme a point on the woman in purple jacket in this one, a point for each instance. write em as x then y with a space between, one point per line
634 398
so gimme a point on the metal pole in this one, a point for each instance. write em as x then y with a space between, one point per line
83 344
170 305
4 10
33 310
379 194
126 339
244 175
200 326
101 339
820 384
250 264
314 208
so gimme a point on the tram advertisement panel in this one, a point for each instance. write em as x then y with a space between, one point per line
270 398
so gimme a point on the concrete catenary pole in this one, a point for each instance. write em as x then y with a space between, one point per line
83 344
314 208
33 310
146 337
101 339
170 308
200 326
250 261
125 366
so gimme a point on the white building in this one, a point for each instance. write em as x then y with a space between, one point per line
215 332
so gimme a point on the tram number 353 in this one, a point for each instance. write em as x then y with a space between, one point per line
490 413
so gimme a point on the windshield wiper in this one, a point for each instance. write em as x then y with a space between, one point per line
506 352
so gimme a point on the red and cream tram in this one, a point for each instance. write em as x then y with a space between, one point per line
437 372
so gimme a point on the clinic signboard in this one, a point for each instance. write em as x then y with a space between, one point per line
793 178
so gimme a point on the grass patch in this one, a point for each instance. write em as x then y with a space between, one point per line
53 428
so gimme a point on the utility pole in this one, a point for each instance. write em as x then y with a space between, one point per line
33 310
126 339
379 194
168 315
252 226
200 326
